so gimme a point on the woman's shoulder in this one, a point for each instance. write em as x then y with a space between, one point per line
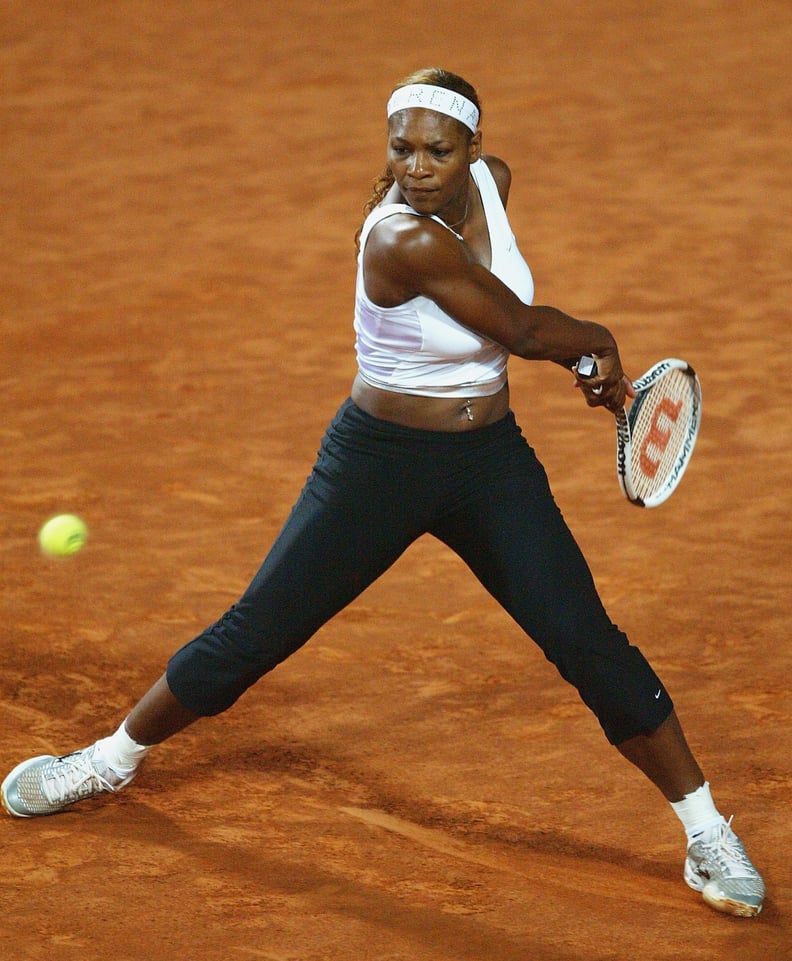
501 174
388 222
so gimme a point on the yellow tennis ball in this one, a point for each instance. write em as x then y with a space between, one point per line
62 535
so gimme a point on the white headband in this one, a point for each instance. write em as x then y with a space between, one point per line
439 99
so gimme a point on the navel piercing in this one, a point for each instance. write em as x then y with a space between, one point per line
468 411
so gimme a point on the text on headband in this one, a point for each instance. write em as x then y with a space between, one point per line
441 99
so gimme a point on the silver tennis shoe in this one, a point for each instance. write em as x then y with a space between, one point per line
47 784
721 870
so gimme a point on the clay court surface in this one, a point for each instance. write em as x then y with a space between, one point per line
181 183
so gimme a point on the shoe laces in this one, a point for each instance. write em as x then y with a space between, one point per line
72 777
727 851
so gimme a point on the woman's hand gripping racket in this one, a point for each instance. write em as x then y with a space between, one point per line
655 439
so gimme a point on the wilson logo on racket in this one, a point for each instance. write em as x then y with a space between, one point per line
658 435
655 439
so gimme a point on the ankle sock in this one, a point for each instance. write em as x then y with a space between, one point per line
698 814
121 754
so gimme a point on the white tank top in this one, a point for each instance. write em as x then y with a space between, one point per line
416 348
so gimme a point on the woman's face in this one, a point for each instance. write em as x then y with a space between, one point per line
429 155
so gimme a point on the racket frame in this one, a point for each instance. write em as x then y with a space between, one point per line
624 433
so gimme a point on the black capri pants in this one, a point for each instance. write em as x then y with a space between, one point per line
377 487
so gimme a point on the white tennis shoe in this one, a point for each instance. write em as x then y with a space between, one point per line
47 784
720 869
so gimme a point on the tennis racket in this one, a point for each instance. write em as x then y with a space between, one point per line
655 438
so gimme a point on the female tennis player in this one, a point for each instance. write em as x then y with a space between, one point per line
427 444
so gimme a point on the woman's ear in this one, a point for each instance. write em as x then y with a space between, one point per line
474 148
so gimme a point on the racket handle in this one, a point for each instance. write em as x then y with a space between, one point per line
587 367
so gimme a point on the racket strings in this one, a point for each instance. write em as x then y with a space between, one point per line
663 423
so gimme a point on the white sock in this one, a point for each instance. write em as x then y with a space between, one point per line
698 814
121 753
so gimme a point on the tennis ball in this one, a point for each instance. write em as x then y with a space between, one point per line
62 535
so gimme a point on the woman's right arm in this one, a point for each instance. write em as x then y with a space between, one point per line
416 256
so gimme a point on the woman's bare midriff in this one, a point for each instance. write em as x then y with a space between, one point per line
431 413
